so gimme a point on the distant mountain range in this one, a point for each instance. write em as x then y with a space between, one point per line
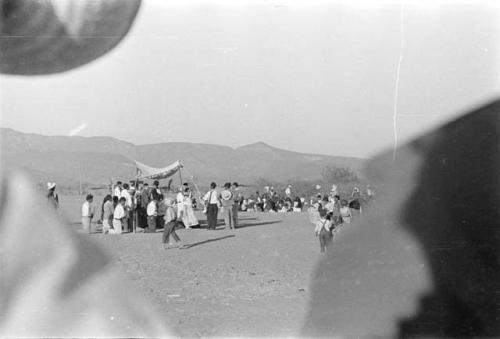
97 160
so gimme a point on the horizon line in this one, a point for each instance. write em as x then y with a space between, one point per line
181 142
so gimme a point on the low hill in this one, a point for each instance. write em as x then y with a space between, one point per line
97 160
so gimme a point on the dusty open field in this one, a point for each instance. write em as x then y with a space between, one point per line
226 281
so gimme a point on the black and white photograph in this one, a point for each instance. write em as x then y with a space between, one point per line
249 169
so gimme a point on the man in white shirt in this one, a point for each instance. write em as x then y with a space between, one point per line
87 213
152 211
127 224
212 202
126 194
118 189
119 216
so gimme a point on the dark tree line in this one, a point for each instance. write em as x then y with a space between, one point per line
339 175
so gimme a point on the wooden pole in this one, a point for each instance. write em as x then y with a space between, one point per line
135 221
80 177
180 176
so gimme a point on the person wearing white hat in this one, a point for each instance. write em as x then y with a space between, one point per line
227 199
52 197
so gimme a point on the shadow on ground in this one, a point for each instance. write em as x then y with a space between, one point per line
260 223
186 246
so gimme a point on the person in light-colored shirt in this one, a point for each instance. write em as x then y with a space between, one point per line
126 194
180 201
170 225
323 230
107 214
187 214
87 213
227 199
119 216
118 189
212 204
152 211
345 212
127 223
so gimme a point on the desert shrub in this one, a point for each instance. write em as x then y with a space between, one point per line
339 175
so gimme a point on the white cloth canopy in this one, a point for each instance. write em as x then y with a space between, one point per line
147 172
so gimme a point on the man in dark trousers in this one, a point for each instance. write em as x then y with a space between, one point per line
212 202
145 199
238 198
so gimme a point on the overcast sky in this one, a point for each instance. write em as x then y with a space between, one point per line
316 79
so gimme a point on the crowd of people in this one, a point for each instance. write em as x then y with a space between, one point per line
273 201
139 207
329 212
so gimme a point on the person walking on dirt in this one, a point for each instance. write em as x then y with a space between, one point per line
170 225
324 231
52 197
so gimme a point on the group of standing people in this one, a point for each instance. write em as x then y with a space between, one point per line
136 207
143 206
228 200
146 206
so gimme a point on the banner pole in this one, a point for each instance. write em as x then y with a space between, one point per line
135 213
180 176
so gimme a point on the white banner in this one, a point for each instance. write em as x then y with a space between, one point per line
147 172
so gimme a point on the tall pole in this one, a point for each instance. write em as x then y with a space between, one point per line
180 176
135 213
80 177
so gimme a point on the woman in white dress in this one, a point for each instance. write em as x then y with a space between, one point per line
179 199
188 217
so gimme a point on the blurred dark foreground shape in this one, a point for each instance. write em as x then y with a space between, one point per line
426 260
53 283
51 36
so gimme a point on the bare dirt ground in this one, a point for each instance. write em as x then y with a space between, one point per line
252 281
